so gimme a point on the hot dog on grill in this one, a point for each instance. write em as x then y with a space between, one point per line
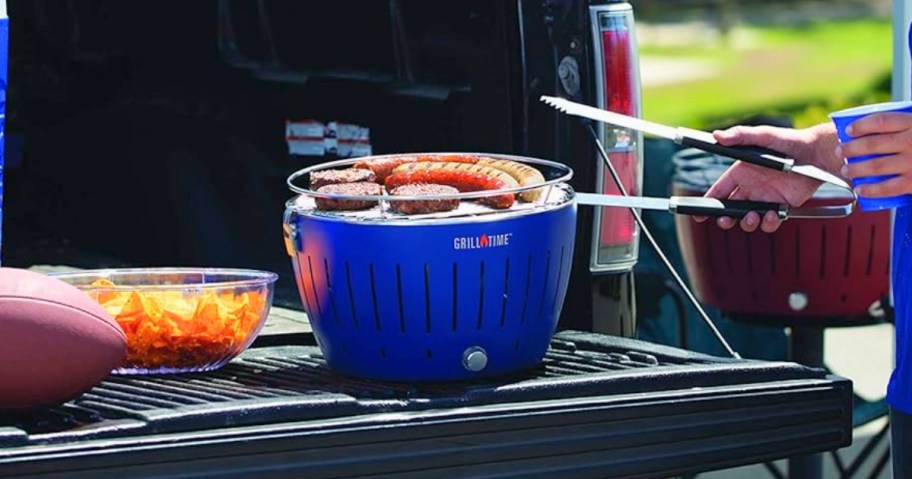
451 166
449 158
383 167
462 176
525 175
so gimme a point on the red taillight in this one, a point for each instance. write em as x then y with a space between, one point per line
618 227
617 74
618 68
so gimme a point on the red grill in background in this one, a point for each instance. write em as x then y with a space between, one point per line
826 268
616 68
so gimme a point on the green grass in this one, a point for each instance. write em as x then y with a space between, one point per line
802 72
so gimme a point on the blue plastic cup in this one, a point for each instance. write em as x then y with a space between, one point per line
844 118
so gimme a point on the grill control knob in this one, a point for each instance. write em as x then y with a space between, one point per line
798 301
474 359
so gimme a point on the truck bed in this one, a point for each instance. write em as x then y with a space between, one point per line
599 406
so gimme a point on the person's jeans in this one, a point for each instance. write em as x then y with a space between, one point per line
901 449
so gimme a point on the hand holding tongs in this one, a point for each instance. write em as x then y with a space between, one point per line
706 142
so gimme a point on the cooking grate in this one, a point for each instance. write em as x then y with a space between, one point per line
284 383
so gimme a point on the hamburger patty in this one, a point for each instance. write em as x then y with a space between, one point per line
336 177
360 188
423 206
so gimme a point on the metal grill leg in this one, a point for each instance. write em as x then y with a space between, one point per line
773 470
838 461
881 463
866 452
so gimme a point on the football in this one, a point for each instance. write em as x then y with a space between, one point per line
55 341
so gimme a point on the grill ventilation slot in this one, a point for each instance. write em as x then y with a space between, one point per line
374 298
332 294
481 282
526 293
351 296
506 295
542 296
399 297
313 285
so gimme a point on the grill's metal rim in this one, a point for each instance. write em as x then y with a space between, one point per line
387 217
566 176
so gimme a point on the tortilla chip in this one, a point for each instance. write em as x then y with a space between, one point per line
176 329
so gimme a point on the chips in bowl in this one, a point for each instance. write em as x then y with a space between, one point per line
184 322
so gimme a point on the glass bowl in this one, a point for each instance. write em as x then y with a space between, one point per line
180 320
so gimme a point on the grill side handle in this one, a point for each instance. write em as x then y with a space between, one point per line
289 230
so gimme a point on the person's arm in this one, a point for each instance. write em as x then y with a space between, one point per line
815 145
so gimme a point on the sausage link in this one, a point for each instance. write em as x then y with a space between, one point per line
383 167
449 158
508 180
464 181
522 173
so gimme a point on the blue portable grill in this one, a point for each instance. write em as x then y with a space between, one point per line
468 293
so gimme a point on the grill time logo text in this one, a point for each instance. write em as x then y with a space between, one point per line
483 241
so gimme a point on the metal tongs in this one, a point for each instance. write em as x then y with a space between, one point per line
706 142
701 206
